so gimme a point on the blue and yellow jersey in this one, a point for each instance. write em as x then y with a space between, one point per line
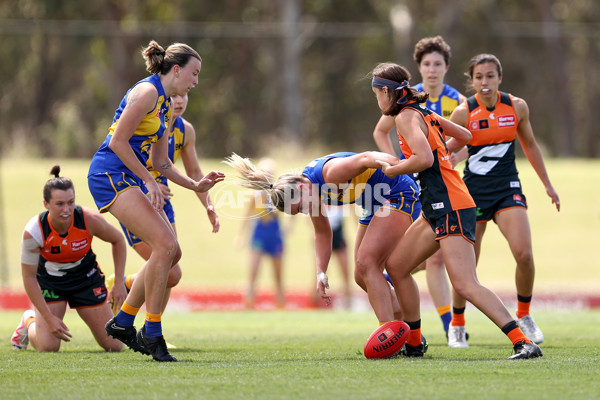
369 189
443 105
176 142
149 131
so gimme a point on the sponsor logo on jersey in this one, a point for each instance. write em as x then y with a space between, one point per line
515 184
506 120
79 245
55 250
437 206
440 230
479 124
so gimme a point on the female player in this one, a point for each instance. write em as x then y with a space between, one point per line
118 179
448 220
495 119
182 143
432 55
390 206
59 267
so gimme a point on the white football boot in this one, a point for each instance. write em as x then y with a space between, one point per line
457 337
530 329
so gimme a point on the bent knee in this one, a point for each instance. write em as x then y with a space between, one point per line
174 276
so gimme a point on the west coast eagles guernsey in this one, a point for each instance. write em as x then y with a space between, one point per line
369 190
445 103
490 172
442 189
64 259
150 130
176 142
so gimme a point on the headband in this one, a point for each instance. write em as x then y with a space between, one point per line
380 83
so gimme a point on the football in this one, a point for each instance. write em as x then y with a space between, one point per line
387 340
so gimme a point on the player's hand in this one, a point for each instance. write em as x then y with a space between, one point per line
554 196
322 284
59 329
166 191
117 297
208 181
213 218
386 168
155 195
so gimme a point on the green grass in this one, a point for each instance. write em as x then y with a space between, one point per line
564 243
307 355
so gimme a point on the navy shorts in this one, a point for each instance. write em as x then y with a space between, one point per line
106 187
510 201
88 291
409 205
460 222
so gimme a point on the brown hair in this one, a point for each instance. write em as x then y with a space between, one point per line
56 183
161 61
431 45
482 59
278 190
398 73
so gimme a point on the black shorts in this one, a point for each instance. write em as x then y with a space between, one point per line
504 203
88 291
460 222
338 242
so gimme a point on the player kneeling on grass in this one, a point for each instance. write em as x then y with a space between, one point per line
59 267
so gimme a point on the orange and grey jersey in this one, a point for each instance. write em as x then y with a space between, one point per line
442 189
65 258
490 171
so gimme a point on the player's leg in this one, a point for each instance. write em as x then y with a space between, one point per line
134 210
278 279
255 257
95 318
514 225
457 335
417 244
439 288
40 334
381 236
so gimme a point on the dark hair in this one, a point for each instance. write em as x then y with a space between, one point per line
56 183
161 61
398 73
482 59
430 45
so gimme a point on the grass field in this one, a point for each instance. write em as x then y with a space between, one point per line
564 243
307 355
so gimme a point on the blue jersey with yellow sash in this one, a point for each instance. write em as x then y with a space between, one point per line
369 190
176 142
443 105
149 131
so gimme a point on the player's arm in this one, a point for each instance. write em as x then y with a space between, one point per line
532 149
460 116
459 135
193 170
30 254
381 134
102 229
323 240
163 164
414 130
343 169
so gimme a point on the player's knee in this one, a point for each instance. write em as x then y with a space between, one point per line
524 258
114 346
174 276
48 347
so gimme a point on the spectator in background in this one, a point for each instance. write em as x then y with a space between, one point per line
266 240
